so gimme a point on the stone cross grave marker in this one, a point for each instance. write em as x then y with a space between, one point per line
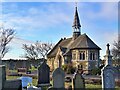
78 81
108 79
58 78
43 74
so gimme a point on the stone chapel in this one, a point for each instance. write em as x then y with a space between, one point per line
78 50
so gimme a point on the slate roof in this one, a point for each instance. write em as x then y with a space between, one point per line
63 43
83 41
66 45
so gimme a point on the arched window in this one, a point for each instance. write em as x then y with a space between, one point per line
74 56
60 62
92 56
81 66
82 55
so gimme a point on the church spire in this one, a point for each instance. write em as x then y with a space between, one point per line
76 22
76 25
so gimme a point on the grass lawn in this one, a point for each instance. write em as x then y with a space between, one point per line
66 84
12 71
34 81
12 77
86 85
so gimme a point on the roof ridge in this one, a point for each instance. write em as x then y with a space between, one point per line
55 46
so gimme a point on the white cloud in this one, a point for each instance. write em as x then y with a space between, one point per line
16 48
17 40
108 37
52 16
108 11
111 37
36 19
39 18
33 11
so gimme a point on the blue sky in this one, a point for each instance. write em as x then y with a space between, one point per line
51 21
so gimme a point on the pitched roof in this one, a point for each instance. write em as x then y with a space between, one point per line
82 42
63 43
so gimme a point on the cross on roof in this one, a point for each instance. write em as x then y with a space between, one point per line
108 46
76 4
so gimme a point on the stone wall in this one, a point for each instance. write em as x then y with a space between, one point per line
14 64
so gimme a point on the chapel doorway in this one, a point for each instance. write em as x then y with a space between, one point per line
60 61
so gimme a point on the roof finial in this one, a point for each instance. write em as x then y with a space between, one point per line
108 50
75 4
108 46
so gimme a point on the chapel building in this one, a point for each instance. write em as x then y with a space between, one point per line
78 50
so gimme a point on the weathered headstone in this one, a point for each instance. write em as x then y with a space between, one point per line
0 62
58 78
108 79
2 76
44 74
8 84
13 85
78 81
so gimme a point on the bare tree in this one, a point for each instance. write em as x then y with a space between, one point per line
43 48
6 35
30 52
37 50
116 52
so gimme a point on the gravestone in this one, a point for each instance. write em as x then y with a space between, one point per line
8 84
108 78
58 78
25 80
0 62
13 85
44 75
78 81
2 76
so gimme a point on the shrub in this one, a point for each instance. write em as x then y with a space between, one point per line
68 68
32 68
64 67
96 71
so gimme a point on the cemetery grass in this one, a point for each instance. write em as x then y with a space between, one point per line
34 81
66 84
15 71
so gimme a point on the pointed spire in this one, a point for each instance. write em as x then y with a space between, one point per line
76 22
76 25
